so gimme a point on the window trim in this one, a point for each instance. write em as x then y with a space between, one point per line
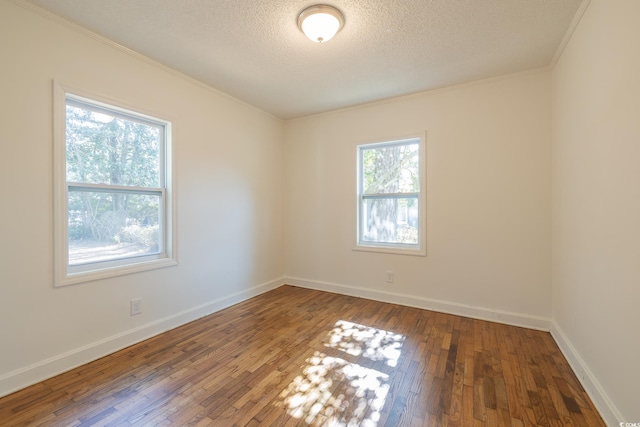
393 248
63 274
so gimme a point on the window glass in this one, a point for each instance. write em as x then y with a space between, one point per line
122 155
389 195
391 169
106 226
105 147
390 220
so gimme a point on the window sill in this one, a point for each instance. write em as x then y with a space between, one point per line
89 276
391 250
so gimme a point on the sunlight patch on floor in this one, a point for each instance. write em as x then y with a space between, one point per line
372 343
334 391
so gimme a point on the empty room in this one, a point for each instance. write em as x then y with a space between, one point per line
355 213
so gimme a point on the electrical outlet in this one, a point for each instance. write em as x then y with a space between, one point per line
389 277
136 306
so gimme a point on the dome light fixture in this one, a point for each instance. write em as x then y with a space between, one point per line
320 22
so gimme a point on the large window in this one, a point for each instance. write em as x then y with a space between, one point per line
113 192
390 197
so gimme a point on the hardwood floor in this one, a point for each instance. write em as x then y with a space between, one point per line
295 356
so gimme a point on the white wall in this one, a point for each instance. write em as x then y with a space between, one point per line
228 159
596 200
488 199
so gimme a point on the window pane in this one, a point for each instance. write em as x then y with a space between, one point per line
391 169
392 220
108 149
111 225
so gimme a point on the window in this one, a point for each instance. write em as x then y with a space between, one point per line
391 205
113 192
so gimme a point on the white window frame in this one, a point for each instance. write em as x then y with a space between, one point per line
419 249
65 274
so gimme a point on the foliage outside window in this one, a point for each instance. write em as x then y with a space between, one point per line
112 194
390 201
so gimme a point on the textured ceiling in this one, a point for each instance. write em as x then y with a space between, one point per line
253 50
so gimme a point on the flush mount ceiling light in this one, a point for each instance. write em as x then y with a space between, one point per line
320 22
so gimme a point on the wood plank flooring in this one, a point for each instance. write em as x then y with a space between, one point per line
295 356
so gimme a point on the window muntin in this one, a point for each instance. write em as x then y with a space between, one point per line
389 196
113 205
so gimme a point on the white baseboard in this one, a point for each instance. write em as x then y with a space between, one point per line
608 411
32 374
481 313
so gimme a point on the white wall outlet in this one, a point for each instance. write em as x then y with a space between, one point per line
136 306
388 277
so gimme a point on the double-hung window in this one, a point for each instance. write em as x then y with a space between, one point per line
113 195
391 201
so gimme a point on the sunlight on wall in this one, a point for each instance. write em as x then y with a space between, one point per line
335 391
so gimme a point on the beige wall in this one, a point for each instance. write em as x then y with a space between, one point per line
488 197
228 159
596 199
